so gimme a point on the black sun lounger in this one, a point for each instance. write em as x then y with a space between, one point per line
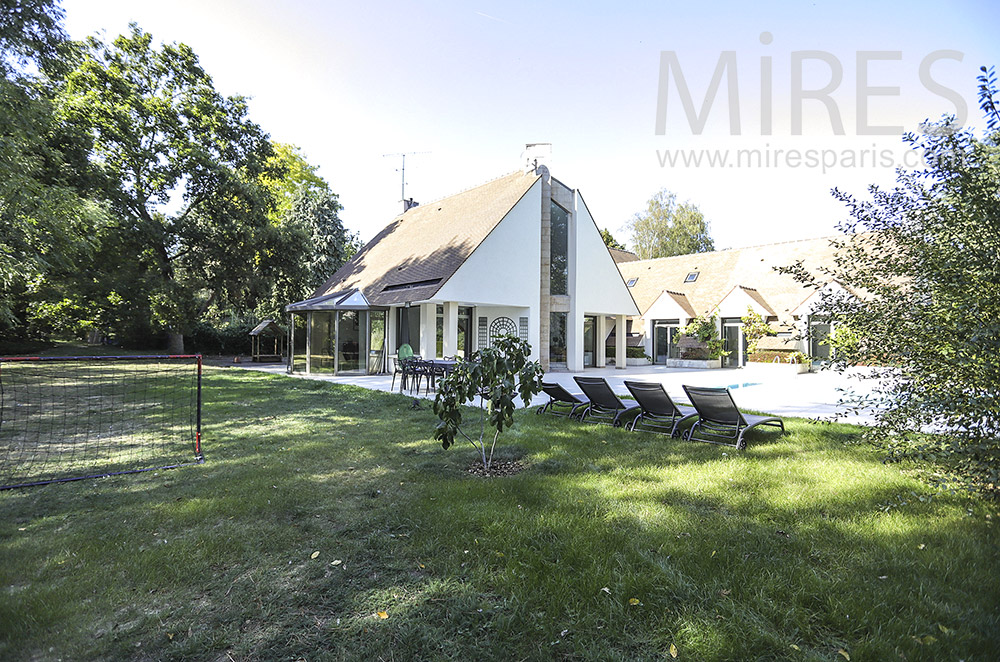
719 419
605 406
561 402
658 411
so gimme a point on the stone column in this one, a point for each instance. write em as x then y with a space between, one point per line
544 303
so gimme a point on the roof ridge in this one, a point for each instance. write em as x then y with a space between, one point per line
465 190
741 248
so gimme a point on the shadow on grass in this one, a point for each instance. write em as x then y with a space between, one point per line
320 506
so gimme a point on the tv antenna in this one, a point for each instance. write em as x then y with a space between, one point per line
402 170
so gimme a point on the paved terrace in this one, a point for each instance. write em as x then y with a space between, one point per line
762 388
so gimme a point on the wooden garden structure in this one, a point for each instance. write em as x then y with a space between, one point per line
268 342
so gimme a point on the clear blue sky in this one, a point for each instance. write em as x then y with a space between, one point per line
469 83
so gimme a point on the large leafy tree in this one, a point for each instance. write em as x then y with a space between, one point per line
310 240
45 223
922 263
183 167
610 241
668 228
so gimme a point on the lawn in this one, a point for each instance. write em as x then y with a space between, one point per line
326 524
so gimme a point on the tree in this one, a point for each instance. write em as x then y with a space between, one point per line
45 223
310 240
669 228
755 328
164 138
496 374
610 241
921 260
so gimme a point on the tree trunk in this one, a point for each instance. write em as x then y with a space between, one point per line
175 343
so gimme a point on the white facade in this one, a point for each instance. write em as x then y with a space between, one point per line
501 282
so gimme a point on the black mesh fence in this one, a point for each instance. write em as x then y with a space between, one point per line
68 418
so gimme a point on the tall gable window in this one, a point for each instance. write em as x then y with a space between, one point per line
559 250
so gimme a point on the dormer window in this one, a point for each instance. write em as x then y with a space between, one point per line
632 282
691 277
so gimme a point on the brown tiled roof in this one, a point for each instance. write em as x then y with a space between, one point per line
413 256
682 301
622 256
759 298
719 272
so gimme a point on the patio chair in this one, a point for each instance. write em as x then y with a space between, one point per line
412 373
432 371
658 411
561 402
720 420
605 407
397 369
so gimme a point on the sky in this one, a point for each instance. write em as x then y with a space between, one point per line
810 95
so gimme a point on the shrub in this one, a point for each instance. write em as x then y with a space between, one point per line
706 330
497 375
630 352
232 338
755 328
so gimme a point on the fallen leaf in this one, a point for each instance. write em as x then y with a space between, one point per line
384 615
673 650
606 590
713 552
170 636
944 629
929 639
336 562
794 647
725 591
921 546
421 566
884 577
844 654
314 555
22 528
633 601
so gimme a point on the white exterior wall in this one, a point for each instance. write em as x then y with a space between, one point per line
503 270
664 308
598 285
809 307
511 312
736 303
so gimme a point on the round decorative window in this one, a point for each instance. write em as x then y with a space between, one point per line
502 326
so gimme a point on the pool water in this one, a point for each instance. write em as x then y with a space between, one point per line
743 385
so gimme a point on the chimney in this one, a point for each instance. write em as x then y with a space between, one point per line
536 155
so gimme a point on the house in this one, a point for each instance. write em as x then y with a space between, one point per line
518 255
672 291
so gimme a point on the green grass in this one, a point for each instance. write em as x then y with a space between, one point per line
611 545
